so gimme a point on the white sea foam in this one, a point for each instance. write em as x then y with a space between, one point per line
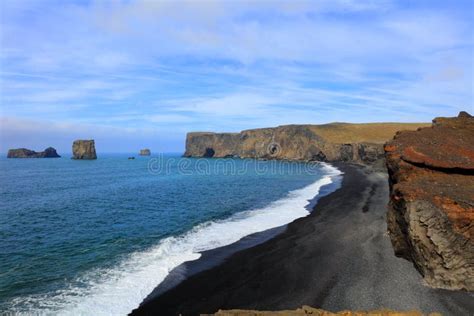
119 290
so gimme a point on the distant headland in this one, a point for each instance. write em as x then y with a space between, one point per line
362 143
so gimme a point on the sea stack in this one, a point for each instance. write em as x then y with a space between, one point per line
145 152
431 209
83 149
49 152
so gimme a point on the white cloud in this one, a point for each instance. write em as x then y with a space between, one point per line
230 65
169 118
239 104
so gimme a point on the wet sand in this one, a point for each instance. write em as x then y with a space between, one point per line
339 257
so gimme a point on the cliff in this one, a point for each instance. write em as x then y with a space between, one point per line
145 152
84 149
330 142
431 209
49 152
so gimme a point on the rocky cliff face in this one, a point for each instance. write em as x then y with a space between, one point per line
331 142
49 152
145 152
83 149
431 210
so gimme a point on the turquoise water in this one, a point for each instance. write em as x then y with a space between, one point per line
82 237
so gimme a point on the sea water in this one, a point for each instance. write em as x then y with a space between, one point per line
96 237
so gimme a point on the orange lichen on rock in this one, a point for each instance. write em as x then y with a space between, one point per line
448 144
462 217
389 148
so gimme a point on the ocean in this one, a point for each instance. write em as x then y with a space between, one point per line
96 237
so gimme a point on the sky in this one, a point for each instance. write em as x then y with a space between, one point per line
135 74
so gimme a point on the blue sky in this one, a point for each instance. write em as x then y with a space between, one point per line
135 74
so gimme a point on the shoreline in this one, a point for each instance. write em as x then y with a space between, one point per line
338 257
214 257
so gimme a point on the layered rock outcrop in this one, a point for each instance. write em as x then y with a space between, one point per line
145 152
306 310
84 149
330 142
431 209
49 152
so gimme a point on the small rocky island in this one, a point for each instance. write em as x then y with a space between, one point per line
431 210
145 152
84 149
49 152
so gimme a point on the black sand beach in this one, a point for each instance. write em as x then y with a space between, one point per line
339 257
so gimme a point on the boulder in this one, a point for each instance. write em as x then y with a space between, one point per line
83 149
431 209
49 152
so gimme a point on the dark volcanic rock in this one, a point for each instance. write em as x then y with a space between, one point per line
464 114
431 209
49 152
347 152
83 149
370 153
